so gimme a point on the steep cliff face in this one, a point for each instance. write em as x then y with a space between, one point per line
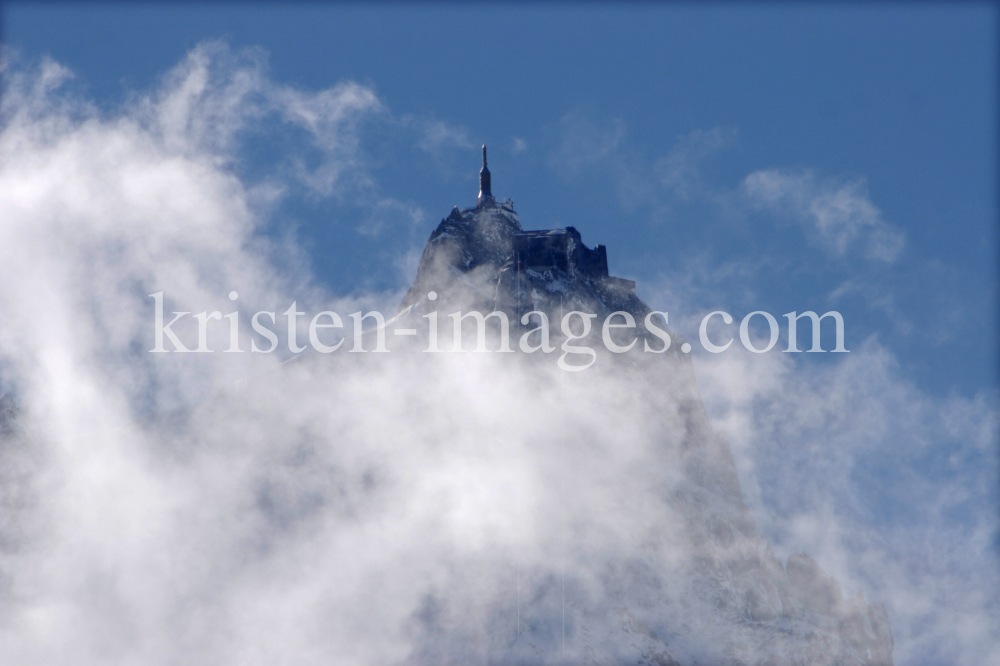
695 584
471 257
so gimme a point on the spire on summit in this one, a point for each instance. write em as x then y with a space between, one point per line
484 181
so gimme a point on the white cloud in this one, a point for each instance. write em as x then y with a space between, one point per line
313 520
589 147
837 214
892 490
390 213
672 174
584 144
437 135
212 99
100 210
840 214
680 169
309 523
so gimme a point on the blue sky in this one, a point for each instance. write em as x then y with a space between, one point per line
899 99
764 157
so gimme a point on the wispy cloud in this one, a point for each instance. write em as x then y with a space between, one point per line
840 214
585 144
390 213
325 519
152 190
891 489
680 169
837 214
437 135
589 147
218 96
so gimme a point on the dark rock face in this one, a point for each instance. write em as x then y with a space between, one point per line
475 242
728 599
20 459
8 414
499 266
814 590
864 627
562 249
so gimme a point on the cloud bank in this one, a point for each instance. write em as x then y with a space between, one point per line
325 526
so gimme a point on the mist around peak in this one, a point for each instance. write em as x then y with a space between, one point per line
412 507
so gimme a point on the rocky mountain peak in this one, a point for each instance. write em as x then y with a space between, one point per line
729 599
